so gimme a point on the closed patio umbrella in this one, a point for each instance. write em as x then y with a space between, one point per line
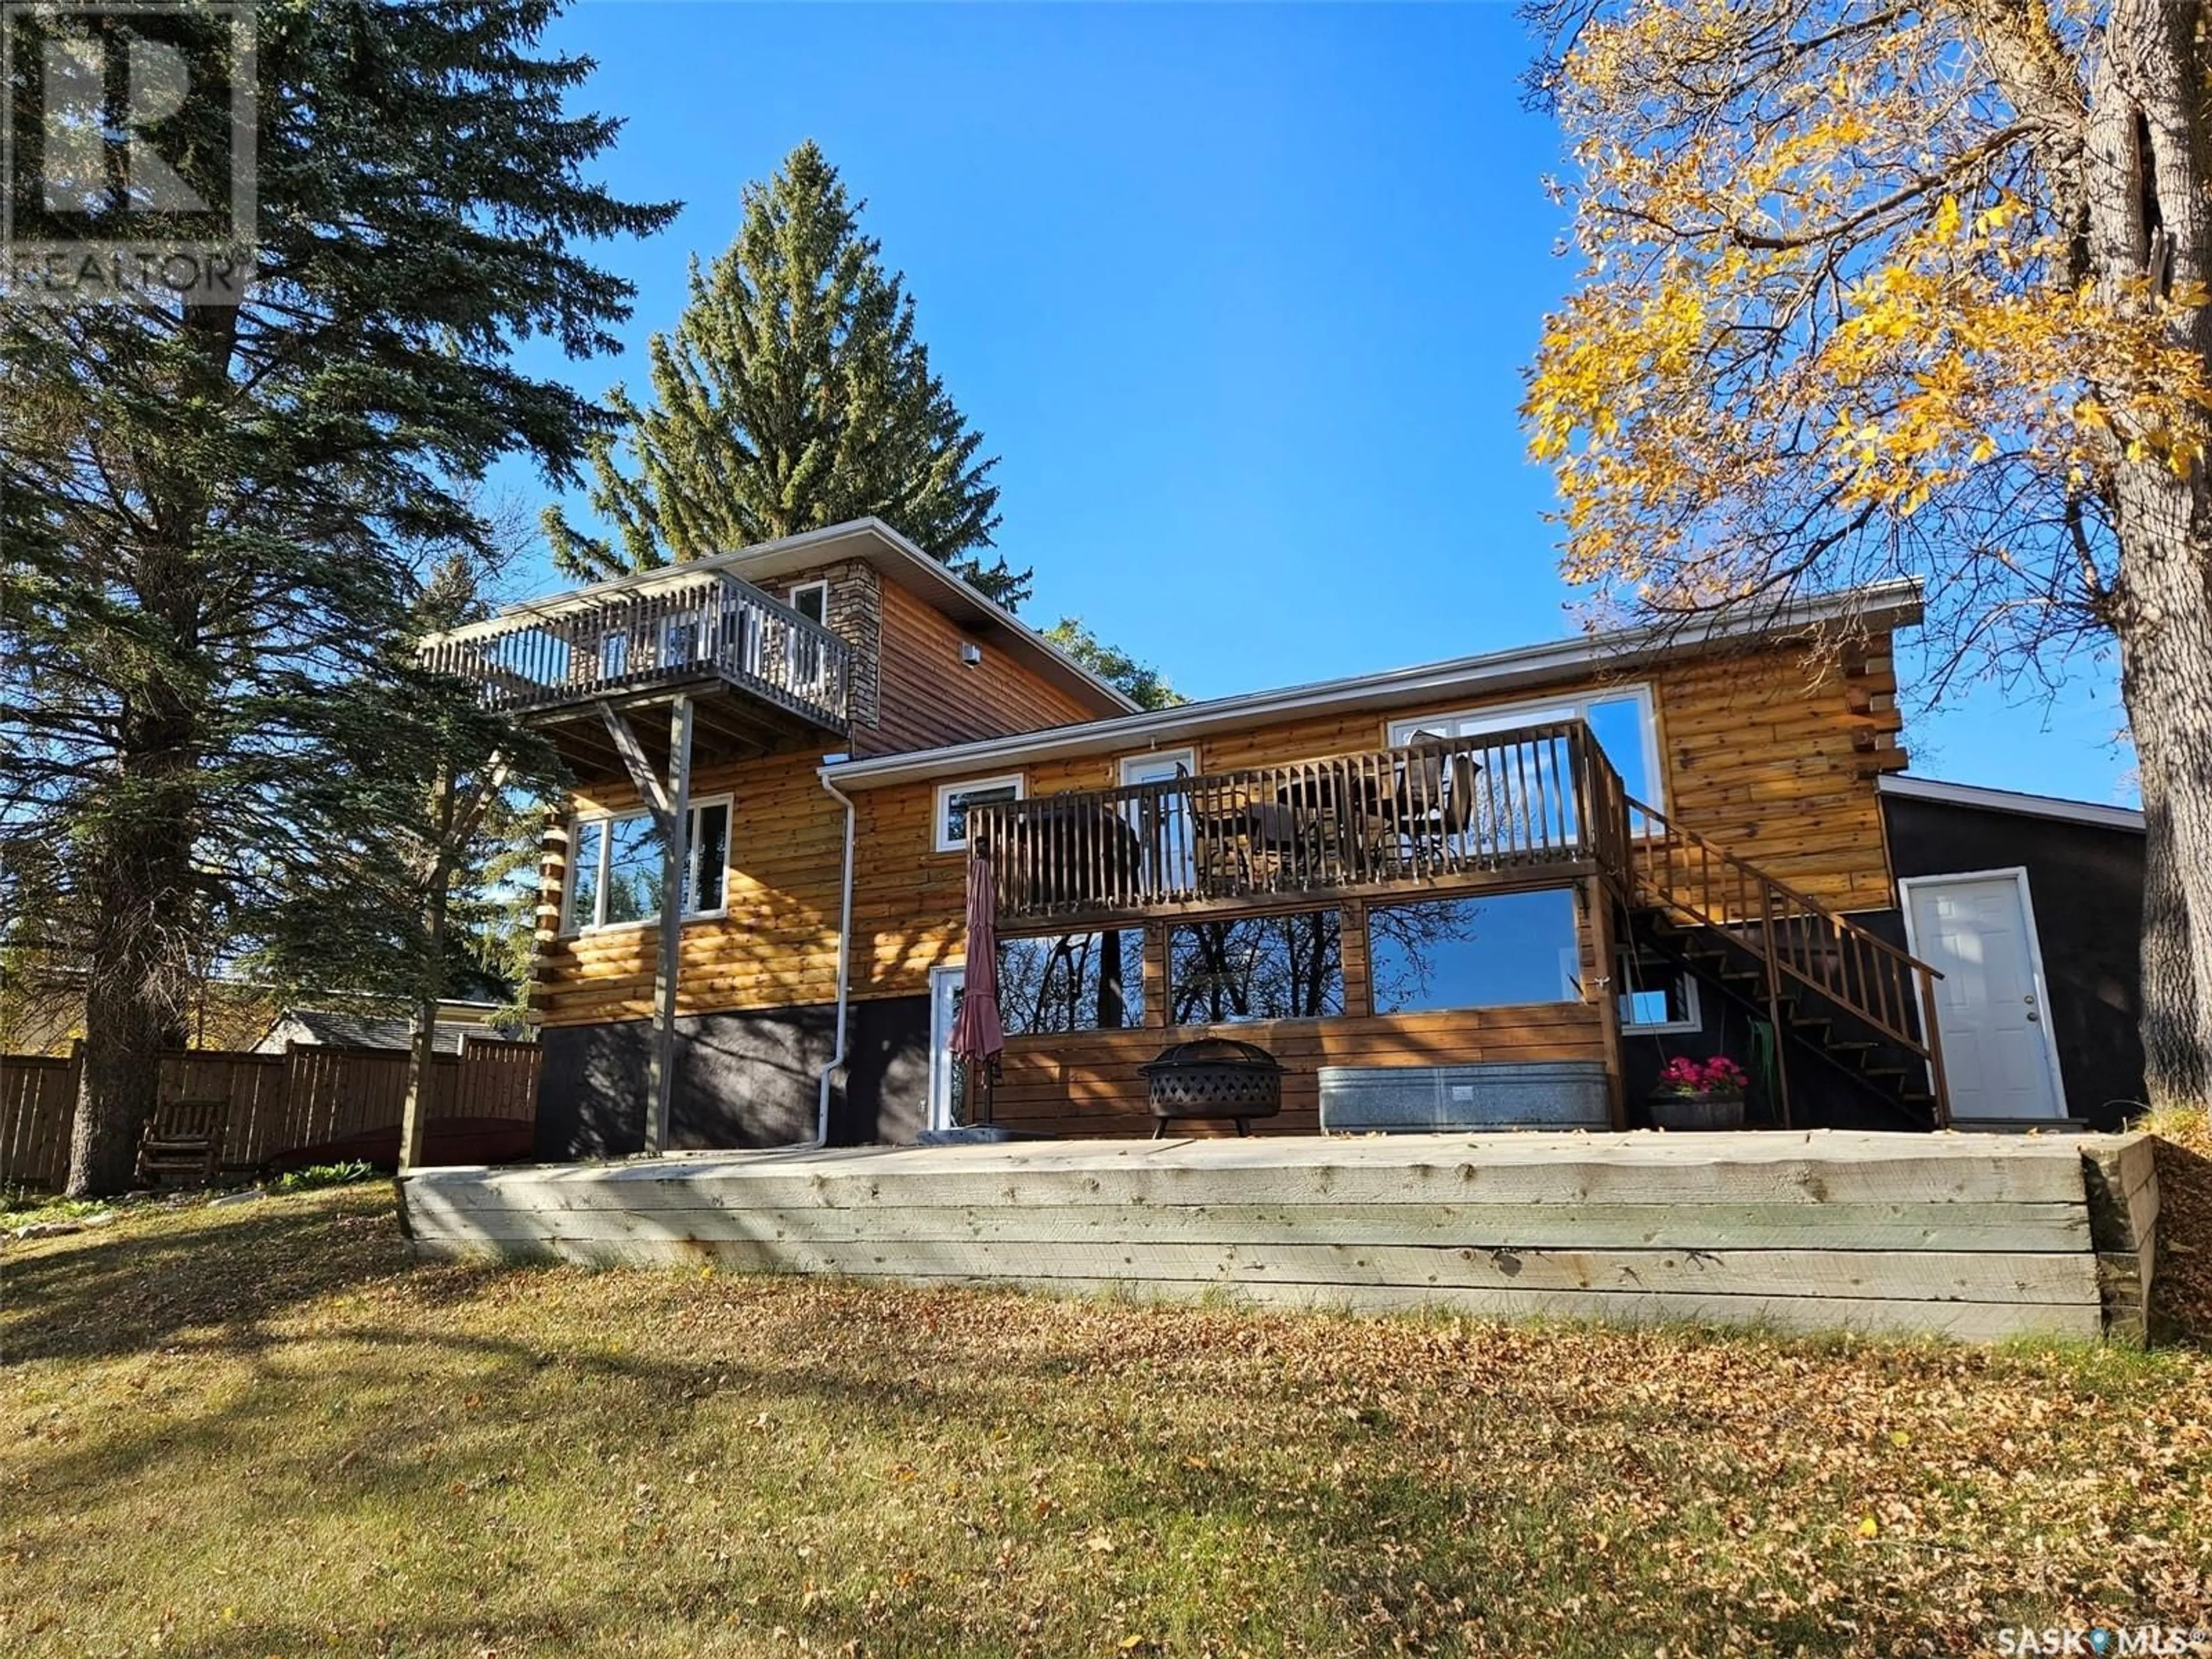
977 1035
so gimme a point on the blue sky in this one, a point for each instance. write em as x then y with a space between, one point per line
1241 296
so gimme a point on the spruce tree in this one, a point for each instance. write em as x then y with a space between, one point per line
218 517
420 807
794 393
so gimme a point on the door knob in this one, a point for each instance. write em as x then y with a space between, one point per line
2035 1020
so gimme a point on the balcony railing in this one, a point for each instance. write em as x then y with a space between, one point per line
1438 811
710 627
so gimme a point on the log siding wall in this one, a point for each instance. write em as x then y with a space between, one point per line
1771 758
1086 1083
777 944
930 697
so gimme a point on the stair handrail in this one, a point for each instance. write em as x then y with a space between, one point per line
1877 998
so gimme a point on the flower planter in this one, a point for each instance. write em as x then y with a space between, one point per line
1716 1111
1700 1094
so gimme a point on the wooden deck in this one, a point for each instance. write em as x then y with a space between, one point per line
1977 1237
762 678
1536 805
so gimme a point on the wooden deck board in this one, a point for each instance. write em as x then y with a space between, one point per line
1970 1236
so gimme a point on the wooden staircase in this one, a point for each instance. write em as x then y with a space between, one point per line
1854 998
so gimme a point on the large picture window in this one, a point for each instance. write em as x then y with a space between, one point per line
614 868
1288 967
1072 982
1621 718
1474 953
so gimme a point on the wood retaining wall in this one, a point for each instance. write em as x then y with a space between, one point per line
1974 1236
308 1095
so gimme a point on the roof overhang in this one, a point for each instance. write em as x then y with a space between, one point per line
870 541
2014 801
1882 605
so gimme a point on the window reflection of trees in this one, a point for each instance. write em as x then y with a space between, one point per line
1402 943
1474 954
1071 982
1287 967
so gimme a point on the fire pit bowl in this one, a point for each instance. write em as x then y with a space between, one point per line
1215 1078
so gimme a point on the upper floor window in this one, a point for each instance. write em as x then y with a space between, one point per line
1159 765
615 867
811 601
953 800
1621 718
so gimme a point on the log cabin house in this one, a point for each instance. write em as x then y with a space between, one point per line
1497 892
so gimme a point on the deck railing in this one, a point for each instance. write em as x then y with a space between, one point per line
705 626
1421 813
1796 940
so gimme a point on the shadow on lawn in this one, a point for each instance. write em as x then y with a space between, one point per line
130 1288
399 1409
1377 1554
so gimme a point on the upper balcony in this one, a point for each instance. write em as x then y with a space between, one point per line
762 677
1502 809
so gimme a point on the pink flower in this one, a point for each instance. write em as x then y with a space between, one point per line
1719 1075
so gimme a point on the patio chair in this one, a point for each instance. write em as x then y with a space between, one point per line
183 1145
1459 797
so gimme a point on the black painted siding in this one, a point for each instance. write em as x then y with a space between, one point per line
2085 881
743 1080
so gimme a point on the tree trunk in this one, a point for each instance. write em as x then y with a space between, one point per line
134 997
2173 1053
141 884
2150 235
452 825
2166 684
423 1048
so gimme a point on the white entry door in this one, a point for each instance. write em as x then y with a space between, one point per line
1992 1005
947 1081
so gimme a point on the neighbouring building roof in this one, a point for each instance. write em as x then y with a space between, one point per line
2013 800
325 1028
895 559
1884 604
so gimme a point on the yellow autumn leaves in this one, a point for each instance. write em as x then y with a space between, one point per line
1824 278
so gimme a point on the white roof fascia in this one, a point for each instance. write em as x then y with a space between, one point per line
2015 801
1897 602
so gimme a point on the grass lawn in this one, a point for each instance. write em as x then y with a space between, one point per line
256 1429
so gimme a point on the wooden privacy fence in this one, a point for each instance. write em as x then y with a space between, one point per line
308 1095
37 1097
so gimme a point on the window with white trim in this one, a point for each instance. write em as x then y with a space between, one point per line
1159 765
1622 718
1163 821
953 800
811 601
1654 1000
614 862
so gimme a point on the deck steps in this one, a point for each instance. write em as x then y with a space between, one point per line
1974 1236
1814 973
